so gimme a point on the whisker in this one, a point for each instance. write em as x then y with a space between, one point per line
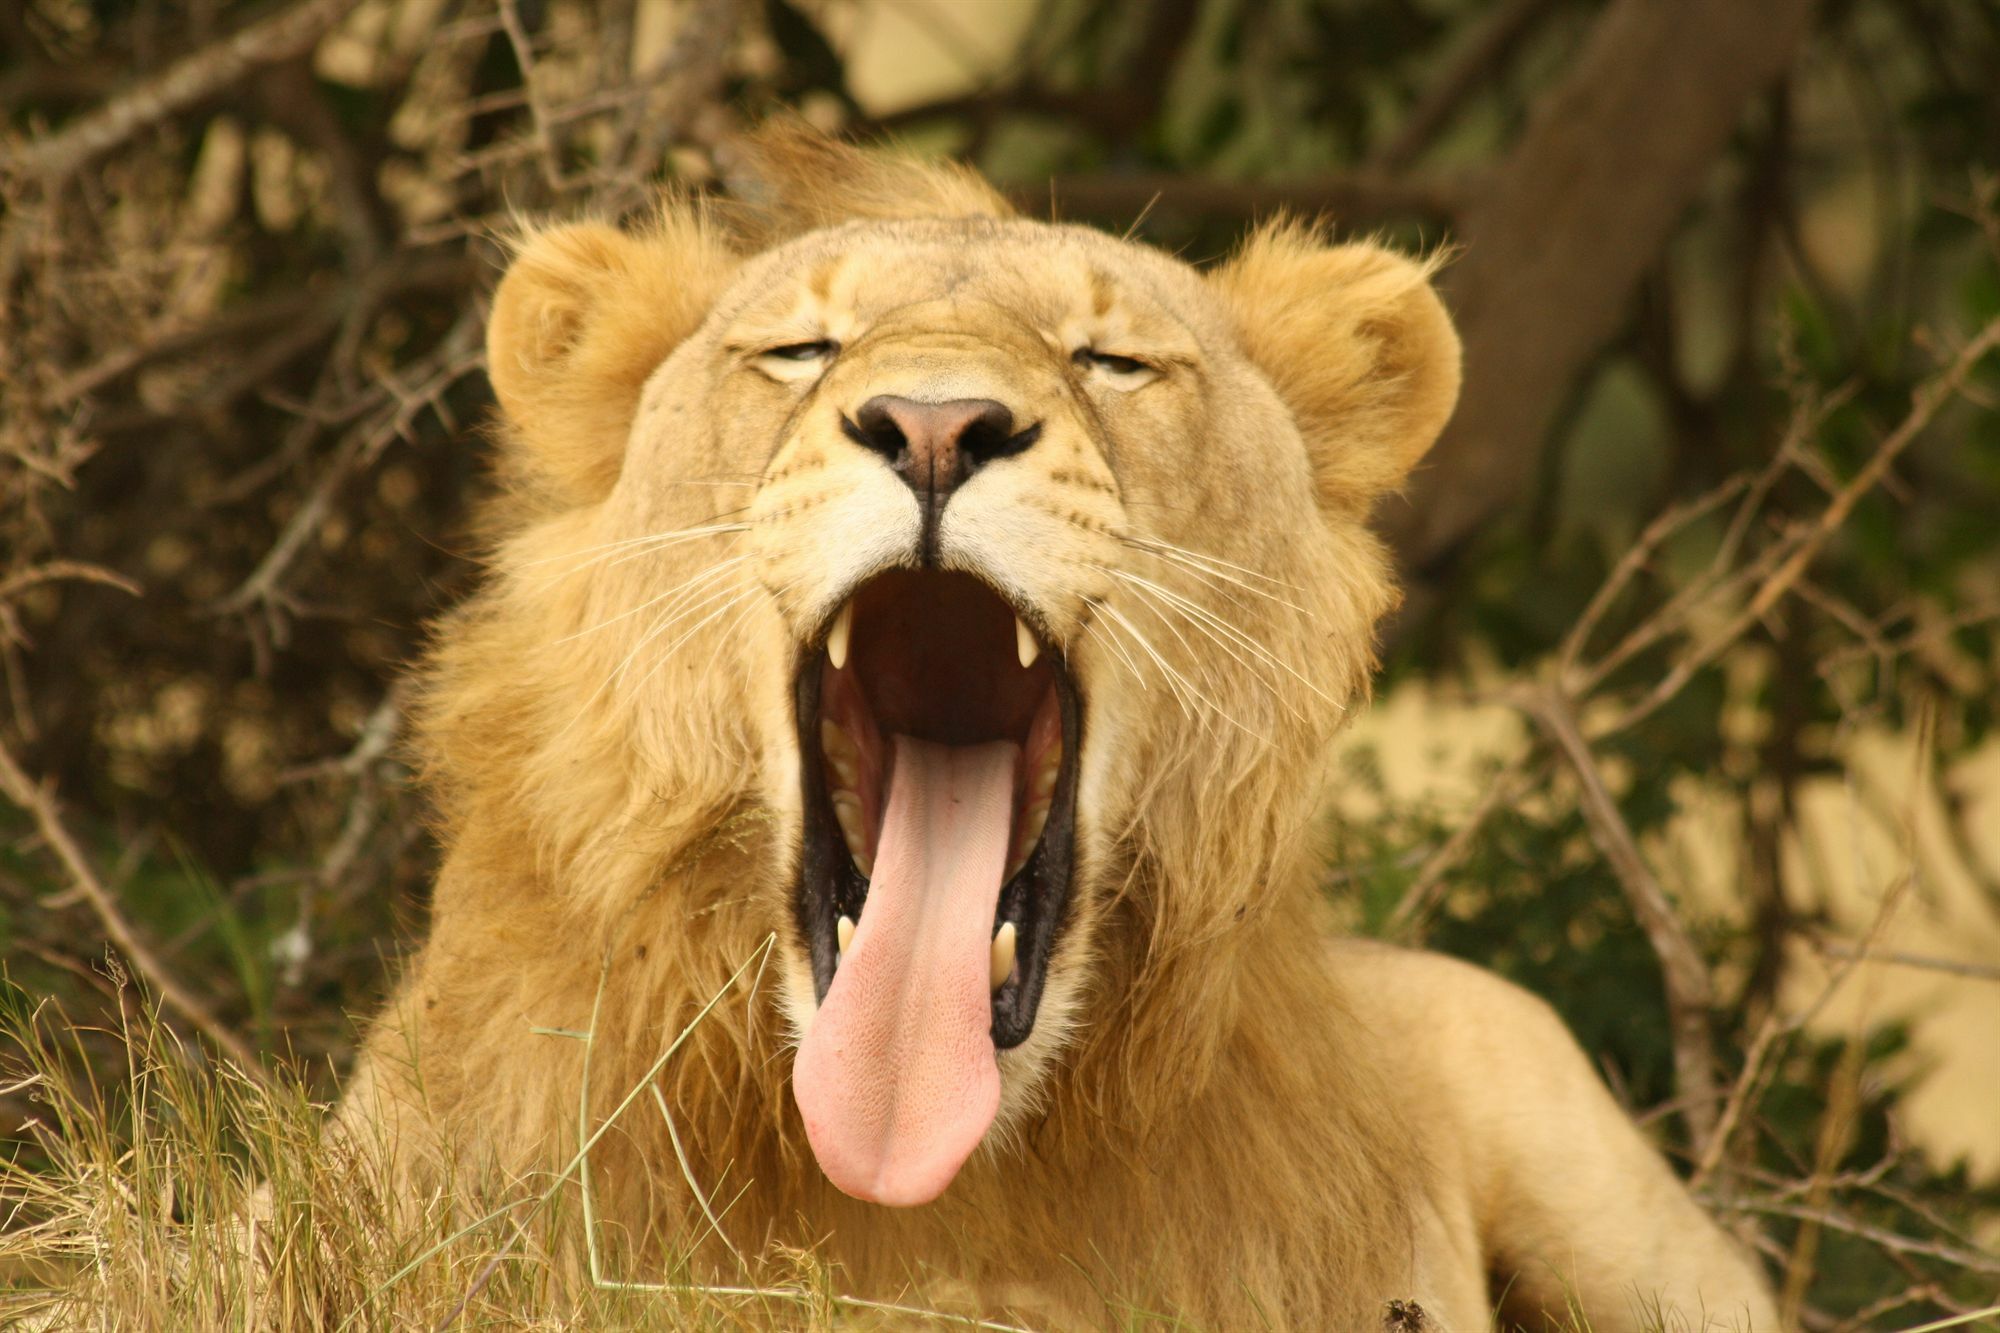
1217 579
1167 548
667 653
667 621
647 545
1090 628
1176 681
678 534
1200 614
686 586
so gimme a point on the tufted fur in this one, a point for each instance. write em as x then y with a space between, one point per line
1216 1116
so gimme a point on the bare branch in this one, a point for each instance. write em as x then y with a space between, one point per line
1689 990
1930 396
192 79
1500 33
1361 197
40 805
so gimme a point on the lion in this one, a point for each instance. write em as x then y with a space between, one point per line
893 728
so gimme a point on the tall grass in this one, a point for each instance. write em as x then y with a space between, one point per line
189 1195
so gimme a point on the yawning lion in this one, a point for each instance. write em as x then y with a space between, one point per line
944 616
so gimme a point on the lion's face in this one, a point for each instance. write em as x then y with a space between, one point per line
1023 572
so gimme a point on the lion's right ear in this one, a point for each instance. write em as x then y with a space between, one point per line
583 317
1358 346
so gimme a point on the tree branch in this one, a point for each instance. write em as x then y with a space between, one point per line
1556 243
1360 197
40 805
194 78
1489 49
1689 990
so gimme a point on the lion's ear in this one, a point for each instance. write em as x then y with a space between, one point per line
1357 345
584 315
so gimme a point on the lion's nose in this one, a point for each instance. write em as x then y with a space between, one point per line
936 447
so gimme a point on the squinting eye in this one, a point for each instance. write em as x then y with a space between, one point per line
803 351
1118 365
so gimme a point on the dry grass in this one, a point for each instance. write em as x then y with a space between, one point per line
189 1195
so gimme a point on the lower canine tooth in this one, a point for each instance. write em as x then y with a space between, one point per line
1025 646
1003 955
843 931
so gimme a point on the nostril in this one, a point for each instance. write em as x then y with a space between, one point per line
991 435
988 434
875 427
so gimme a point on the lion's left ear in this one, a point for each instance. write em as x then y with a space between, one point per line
1357 345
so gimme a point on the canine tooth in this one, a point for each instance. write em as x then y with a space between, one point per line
1025 645
1003 955
837 637
843 931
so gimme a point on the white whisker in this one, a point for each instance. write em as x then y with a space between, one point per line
647 545
1203 618
684 588
1216 578
667 653
1176 683
667 621
1166 548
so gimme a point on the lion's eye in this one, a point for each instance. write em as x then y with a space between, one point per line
1118 367
813 351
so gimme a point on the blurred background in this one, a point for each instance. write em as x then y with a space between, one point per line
1686 724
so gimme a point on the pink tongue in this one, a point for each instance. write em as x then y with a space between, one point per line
897 1079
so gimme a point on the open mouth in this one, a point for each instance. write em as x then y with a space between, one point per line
938 736
941 659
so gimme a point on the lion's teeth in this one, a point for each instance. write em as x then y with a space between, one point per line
842 755
1003 955
847 811
837 637
1025 645
1044 783
843 931
1033 820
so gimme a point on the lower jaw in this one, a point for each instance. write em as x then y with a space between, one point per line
1034 900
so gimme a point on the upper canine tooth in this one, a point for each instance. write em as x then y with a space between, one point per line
1003 955
837 637
1025 646
843 930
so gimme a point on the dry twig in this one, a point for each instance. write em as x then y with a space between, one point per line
40 805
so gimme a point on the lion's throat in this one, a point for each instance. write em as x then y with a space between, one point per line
897 1079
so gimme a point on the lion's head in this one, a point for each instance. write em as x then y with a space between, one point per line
992 586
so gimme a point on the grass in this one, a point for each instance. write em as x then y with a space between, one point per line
188 1195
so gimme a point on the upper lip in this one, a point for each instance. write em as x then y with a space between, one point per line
937 656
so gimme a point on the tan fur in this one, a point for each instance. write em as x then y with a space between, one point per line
1209 1120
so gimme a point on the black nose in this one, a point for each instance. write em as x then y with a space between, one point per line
936 447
